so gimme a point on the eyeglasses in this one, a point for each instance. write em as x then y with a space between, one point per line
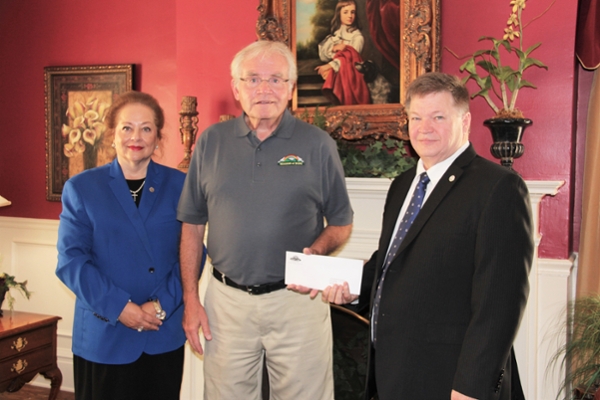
254 81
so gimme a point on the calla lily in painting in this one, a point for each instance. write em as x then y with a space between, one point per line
66 129
74 135
79 147
86 125
89 136
69 150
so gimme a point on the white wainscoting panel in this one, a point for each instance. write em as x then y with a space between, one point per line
28 250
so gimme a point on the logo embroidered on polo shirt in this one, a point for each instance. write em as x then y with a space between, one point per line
290 159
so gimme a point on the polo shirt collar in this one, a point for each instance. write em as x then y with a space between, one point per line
284 129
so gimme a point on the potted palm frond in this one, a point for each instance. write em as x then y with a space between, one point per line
580 356
500 81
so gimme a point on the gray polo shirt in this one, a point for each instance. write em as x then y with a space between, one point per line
262 199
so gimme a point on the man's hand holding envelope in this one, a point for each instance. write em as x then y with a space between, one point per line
338 278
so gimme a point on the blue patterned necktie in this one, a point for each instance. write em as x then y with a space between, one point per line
411 213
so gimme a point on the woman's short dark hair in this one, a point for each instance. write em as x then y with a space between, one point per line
436 82
135 97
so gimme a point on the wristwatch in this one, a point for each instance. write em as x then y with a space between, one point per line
160 313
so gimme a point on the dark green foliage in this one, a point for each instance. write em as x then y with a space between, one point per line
380 159
350 364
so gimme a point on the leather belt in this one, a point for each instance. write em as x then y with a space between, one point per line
254 289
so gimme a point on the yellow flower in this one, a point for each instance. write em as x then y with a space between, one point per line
513 20
510 34
74 135
89 136
90 117
92 104
79 147
79 122
517 4
102 107
66 129
77 109
99 128
69 150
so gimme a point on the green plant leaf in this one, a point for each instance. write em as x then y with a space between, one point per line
525 83
530 62
489 67
532 48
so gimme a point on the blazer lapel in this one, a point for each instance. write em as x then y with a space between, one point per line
446 183
154 182
120 189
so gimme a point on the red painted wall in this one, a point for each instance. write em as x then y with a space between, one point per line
183 47
66 33
549 152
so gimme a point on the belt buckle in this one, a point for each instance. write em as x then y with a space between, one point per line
223 278
257 290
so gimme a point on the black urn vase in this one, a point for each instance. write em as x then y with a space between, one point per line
507 134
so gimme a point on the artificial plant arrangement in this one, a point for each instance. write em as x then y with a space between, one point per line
496 78
8 282
380 159
580 356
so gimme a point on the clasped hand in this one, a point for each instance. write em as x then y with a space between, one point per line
136 317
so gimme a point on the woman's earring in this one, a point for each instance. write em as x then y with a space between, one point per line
113 145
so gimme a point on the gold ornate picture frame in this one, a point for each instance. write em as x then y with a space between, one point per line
419 52
76 100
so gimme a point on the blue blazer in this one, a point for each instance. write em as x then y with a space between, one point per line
110 252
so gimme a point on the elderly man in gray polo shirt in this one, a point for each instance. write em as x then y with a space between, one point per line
266 182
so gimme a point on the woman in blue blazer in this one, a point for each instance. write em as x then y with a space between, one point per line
118 252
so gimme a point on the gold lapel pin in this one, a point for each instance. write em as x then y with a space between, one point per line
151 190
451 179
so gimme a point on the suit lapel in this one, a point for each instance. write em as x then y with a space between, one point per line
446 183
120 190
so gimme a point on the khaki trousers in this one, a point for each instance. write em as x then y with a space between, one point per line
293 332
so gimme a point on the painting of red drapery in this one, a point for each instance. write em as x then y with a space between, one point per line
588 53
347 85
384 27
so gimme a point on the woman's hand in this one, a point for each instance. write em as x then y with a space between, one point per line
140 318
324 70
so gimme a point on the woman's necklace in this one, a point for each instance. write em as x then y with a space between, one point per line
134 193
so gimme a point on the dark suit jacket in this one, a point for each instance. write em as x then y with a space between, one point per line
110 251
455 293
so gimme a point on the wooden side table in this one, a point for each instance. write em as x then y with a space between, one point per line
28 347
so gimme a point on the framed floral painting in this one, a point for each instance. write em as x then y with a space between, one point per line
77 99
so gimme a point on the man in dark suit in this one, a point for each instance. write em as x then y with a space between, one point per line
447 292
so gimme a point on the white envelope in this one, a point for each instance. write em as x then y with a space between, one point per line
318 272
